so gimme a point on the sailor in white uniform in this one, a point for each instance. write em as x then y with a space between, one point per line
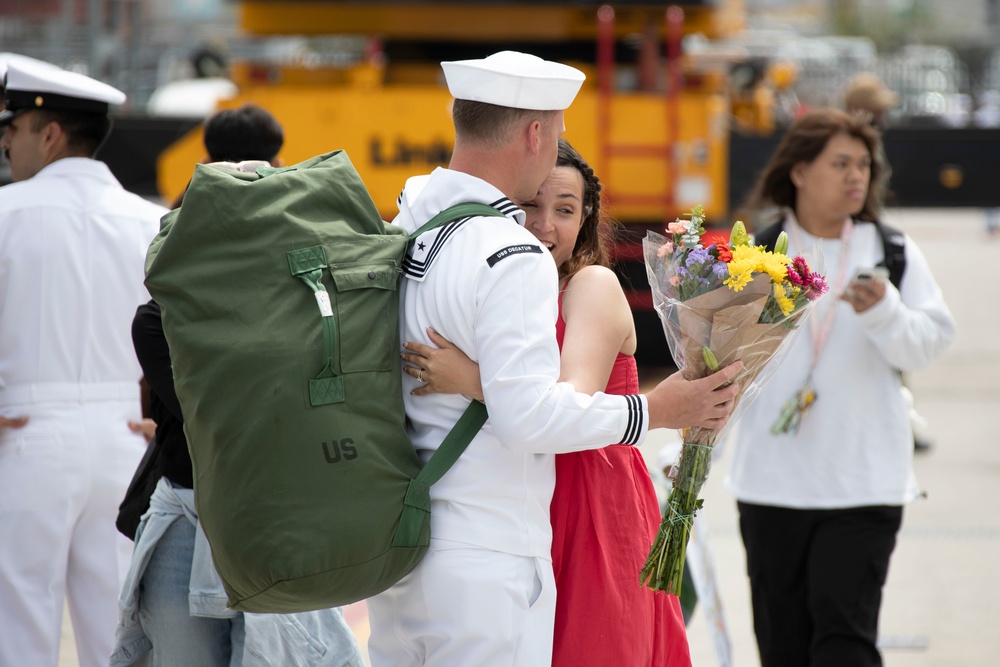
72 247
484 594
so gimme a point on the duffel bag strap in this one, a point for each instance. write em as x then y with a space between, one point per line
417 503
475 415
456 212
455 442
307 264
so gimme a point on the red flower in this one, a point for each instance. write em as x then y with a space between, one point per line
716 237
725 253
798 272
817 287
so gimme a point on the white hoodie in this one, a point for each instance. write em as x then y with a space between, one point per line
854 446
487 285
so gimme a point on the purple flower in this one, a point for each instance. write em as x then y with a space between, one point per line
697 256
720 270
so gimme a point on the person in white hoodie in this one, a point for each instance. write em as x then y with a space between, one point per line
484 594
822 458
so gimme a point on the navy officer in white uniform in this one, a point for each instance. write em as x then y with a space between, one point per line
72 247
484 595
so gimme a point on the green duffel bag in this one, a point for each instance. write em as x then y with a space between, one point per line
279 292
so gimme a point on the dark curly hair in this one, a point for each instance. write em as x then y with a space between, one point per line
597 229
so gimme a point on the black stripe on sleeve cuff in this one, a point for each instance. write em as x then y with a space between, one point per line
633 428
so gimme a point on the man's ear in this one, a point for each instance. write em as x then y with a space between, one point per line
53 137
277 163
534 136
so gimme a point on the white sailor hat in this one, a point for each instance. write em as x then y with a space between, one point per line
32 85
515 80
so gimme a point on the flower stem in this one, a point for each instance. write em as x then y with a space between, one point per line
664 567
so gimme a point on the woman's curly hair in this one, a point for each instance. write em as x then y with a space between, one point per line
596 231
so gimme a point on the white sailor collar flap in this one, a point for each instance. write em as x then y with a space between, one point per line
425 248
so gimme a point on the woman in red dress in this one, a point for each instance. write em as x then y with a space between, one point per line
604 508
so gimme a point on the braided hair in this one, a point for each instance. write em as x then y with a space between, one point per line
597 227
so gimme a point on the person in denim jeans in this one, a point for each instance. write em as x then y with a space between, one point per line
173 607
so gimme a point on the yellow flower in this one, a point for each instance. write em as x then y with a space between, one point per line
781 298
776 266
746 260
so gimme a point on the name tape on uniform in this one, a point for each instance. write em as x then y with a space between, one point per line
512 250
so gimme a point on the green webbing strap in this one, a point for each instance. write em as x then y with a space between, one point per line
455 442
475 415
307 264
456 212
417 504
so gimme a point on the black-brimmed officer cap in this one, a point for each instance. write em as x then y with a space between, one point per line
29 85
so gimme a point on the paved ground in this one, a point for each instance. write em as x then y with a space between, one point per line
940 607
941 602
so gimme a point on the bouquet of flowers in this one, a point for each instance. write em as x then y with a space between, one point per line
718 304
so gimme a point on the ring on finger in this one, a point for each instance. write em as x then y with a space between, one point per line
420 375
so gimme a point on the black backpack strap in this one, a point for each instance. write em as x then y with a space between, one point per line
893 246
894 249
769 235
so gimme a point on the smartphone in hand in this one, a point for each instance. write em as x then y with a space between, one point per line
879 273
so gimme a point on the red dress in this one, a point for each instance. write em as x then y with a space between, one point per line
604 518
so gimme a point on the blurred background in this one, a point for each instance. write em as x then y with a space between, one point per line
683 103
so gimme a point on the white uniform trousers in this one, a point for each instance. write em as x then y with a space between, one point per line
465 605
62 477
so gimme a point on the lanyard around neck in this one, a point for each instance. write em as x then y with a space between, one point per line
821 333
